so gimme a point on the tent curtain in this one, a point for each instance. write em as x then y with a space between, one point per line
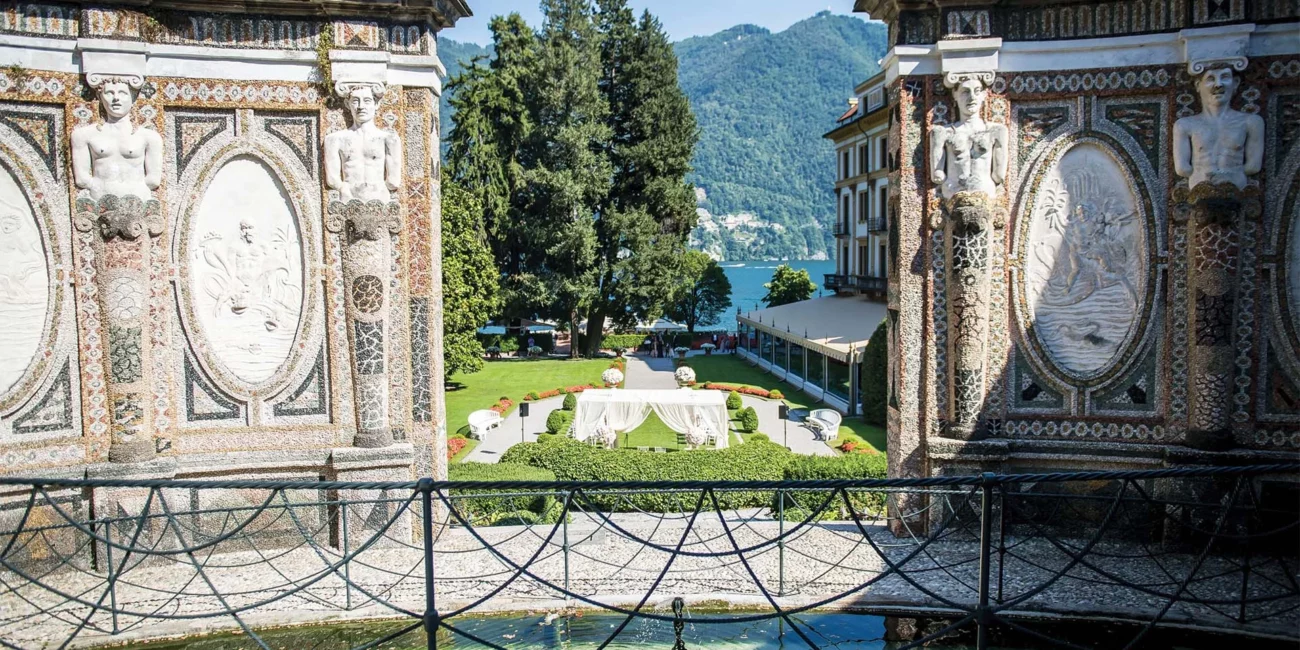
682 411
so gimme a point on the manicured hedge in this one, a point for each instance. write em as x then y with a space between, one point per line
502 510
852 466
749 419
571 460
875 376
621 341
570 402
733 401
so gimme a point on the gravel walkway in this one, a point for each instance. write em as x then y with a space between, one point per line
498 440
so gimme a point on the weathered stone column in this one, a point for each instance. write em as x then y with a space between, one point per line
363 164
116 167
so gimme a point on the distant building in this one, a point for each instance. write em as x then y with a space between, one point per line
861 193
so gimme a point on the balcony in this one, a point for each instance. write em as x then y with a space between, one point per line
840 229
869 283
835 282
877 224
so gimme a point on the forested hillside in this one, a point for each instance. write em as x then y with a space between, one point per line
762 101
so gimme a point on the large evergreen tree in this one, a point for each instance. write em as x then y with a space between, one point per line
704 292
469 279
645 219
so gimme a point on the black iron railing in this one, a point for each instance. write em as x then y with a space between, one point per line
835 281
869 283
1214 547
840 228
876 224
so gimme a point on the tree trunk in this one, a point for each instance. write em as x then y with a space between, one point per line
595 329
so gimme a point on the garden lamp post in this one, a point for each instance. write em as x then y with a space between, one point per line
523 417
783 411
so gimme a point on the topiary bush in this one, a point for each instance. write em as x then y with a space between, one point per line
733 401
875 376
570 402
776 394
749 420
571 460
491 510
558 421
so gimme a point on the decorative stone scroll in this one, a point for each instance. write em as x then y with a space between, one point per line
117 166
363 165
1217 150
968 163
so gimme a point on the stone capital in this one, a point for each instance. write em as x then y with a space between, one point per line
1207 46
968 55
367 67
103 57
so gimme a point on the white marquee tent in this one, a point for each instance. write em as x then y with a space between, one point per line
699 412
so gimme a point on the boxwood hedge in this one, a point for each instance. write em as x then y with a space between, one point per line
485 509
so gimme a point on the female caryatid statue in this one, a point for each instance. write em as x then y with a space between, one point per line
968 163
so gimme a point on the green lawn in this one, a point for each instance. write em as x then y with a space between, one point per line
513 379
652 433
731 369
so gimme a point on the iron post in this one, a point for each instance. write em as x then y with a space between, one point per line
430 603
983 616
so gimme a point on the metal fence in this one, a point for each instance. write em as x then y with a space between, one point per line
98 561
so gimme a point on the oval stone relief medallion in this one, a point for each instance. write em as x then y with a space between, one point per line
24 283
246 270
1085 260
1293 269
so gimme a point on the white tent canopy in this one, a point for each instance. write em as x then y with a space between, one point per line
684 411
660 325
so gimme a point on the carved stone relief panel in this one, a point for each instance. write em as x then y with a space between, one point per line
1292 265
246 275
24 283
1085 261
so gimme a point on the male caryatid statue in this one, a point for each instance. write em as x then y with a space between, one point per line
1216 150
363 165
968 163
117 166
1219 144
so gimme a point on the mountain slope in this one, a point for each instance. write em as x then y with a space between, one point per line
763 101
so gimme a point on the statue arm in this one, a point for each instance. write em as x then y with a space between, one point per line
1254 145
333 169
938 143
1182 150
153 167
83 173
999 170
393 162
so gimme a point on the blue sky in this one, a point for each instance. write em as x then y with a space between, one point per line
681 18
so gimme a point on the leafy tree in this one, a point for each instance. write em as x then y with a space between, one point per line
469 279
704 292
875 376
787 286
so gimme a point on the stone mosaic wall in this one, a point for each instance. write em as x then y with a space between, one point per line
214 327
1110 284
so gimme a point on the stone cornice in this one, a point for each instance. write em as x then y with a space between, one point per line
443 13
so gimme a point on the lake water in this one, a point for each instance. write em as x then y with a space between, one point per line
747 280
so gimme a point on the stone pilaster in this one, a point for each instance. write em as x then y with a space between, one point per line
1214 216
968 222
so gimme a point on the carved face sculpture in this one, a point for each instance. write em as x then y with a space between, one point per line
970 94
116 98
246 232
1217 86
362 105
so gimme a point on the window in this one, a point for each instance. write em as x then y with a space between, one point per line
880 261
796 360
844 165
884 150
816 370
862 259
845 264
845 214
882 196
864 158
765 346
863 205
781 361
838 380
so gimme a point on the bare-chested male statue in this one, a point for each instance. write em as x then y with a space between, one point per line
363 162
113 157
1219 144
970 155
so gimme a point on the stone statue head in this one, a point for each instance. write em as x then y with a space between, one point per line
969 90
116 93
362 100
1216 86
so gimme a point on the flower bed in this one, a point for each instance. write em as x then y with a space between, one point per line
454 445
502 405
744 390
556 392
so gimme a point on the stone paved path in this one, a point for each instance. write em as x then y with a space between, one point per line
793 435
498 440
650 372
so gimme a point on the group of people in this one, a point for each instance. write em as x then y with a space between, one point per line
660 346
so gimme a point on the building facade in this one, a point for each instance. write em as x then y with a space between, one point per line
861 193
221 250
1093 249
